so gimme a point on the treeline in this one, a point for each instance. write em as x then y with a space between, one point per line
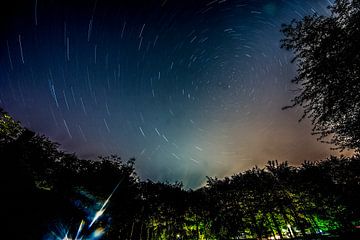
48 193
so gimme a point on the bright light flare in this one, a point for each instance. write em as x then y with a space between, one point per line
80 229
96 217
96 234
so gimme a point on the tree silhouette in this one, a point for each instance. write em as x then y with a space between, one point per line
327 53
26 159
278 201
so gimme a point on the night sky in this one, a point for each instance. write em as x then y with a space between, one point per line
189 88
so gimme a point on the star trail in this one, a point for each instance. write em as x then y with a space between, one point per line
189 88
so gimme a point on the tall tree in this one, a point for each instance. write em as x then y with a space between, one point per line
327 53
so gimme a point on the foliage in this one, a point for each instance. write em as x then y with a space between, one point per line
9 128
278 201
327 53
42 183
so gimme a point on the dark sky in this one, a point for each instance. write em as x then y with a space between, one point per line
188 88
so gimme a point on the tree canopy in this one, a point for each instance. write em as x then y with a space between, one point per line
327 53
43 185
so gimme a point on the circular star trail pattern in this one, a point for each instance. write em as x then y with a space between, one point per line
189 88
